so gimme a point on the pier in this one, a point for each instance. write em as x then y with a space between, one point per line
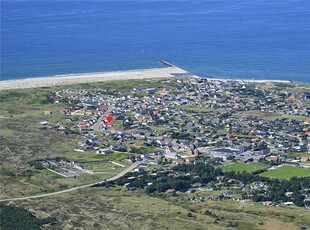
185 74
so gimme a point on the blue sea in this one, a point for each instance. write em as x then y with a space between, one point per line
261 39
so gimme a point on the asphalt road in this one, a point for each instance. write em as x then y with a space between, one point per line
97 125
122 173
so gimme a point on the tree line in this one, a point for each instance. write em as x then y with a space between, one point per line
182 177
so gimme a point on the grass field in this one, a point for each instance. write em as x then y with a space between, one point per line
273 116
286 172
201 109
240 167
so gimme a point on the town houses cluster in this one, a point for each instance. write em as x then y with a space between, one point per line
179 119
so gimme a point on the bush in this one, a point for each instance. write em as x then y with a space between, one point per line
208 213
233 224
16 218
190 215
37 165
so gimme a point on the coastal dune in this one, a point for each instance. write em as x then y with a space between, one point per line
165 72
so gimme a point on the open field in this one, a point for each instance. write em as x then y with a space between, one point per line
106 167
273 116
286 172
239 167
201 109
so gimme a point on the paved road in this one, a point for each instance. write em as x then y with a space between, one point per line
122 173
97 125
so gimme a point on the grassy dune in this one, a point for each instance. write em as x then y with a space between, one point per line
115 208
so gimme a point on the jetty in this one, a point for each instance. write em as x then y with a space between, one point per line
184 73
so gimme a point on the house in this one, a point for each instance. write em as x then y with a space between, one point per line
268 203
191 190
178 161
258 184
197 185
190 160
199 199
291 163
245 200
170 190
43 123
274 158
64 111
105 152
171 153
47 112
307 197
304 158
306 95
288 194
288 203
132 189
143 165
227 194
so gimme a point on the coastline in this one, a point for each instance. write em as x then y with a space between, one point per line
165 72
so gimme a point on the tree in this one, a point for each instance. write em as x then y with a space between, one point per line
208 213
298 199
36 164
190 215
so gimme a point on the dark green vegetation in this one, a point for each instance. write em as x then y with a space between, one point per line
16 218
184 176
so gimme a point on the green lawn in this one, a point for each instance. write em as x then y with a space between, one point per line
286 172
195 108
243 167
273 116
106 167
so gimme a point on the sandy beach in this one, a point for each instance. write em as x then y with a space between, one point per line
165 72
